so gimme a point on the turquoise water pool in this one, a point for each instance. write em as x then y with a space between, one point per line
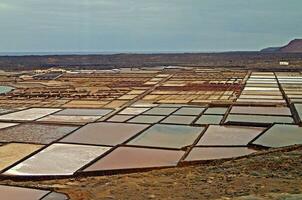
5 89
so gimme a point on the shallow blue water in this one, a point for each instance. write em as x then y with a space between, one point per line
5 89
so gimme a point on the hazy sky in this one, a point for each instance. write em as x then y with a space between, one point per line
147 25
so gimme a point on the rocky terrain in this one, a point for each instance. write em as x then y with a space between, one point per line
294 46
273 174
234 60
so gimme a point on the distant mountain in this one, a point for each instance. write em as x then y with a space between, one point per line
295 46
270 49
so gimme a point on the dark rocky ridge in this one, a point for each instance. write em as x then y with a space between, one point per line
294 46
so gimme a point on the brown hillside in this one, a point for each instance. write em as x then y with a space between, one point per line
295 46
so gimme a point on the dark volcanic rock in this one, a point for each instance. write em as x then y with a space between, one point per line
294 46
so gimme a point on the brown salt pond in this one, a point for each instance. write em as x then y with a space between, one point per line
104 133
35 133
214 153
136 158
17 193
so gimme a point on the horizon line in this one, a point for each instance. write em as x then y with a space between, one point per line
54 53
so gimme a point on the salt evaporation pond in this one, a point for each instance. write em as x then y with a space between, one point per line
5 89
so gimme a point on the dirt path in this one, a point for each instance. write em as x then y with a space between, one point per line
275 172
